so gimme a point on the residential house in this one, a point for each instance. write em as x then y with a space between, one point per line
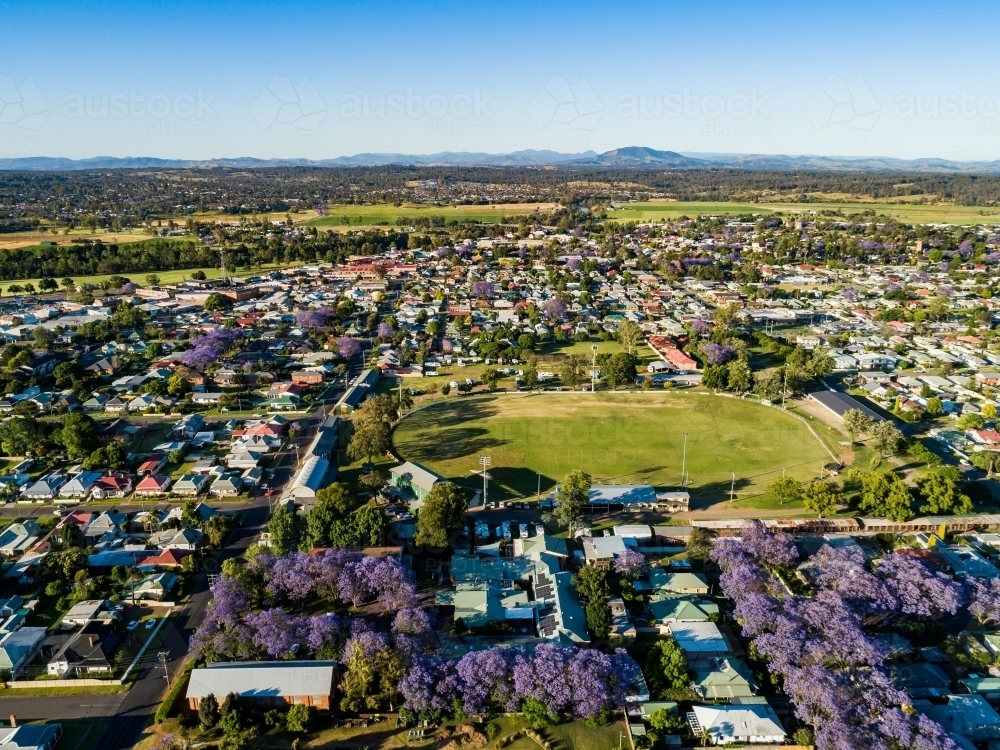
723 678
227 485
89 610
699 639
668 609
30 736
115 406
967 716
665 582
155 586
151 486
47 487
600 551
168 558
91 650
190 485
81 485
18 648
109 522
188 426
187 540
263 684
739 724
116 484
18 537
153 464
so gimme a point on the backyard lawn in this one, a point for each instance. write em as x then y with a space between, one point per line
619 438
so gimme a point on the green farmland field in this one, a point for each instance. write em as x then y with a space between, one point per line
910 213
360 216
617 438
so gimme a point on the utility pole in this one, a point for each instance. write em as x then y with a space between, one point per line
538 492
162 656
485 462
784 387
732 489
684 457
593 368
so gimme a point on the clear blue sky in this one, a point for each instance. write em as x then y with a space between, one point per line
318 80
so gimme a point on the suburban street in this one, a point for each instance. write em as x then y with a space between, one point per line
134 710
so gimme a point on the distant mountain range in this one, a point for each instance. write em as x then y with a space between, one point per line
632 157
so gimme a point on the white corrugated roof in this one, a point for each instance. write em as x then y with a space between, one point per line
263 679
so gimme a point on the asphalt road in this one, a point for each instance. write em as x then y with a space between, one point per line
62 707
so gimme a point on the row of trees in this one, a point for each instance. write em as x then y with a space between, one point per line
819 647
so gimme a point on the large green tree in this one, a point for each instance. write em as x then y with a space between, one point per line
572 498
629 336
785 490
574 371
939 491
856 422
620 370
819 498
283 528
441 515
78 435
370 438
883 494
591 583
666 668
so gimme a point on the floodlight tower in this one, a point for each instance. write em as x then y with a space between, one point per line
684 456
485 462
593 368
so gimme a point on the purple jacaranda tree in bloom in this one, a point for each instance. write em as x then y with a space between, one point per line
314 318
129 288
411 621
384 331
200 357
554 309
768 547
843 570
850 294
701 327
717 354
275 631
348 347
984 599
918 590
484 290
487 680
630 564
321 630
